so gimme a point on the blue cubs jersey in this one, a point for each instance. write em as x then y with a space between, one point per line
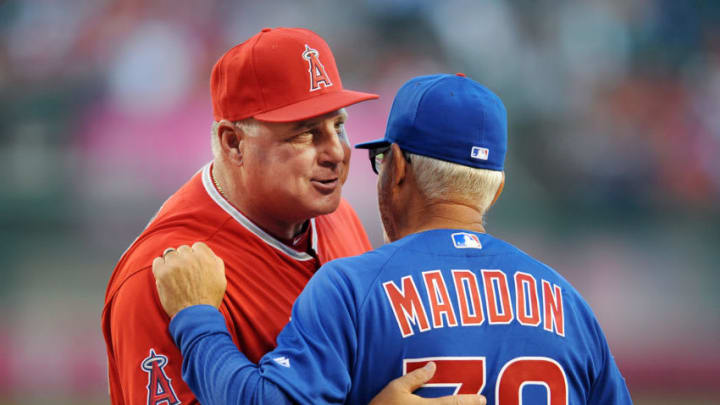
494 320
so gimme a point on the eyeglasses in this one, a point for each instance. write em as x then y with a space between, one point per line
377 157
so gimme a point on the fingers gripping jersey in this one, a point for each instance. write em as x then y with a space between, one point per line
494 320
264 278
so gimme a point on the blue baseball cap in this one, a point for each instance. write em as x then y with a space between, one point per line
448 117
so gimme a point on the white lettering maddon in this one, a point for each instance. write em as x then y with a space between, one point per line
537 302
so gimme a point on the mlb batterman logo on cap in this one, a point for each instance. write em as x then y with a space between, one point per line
448 117
279 75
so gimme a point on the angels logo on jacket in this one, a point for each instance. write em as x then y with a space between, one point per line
160 390
317 71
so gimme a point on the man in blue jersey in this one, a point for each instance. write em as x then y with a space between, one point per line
444 294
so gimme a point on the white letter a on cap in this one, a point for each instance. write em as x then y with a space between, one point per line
316 69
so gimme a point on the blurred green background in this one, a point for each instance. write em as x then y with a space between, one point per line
613 171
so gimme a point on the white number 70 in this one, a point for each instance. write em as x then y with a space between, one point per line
467 375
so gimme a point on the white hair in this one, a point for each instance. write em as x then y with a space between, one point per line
441 180
249 126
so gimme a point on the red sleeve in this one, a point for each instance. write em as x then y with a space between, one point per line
144 365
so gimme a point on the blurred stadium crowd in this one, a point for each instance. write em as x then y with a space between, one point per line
613 169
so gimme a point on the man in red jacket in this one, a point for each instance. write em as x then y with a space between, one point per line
269 203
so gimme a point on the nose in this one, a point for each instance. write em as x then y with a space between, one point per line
332 151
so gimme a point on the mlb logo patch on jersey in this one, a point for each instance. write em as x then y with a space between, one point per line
479 153
464 240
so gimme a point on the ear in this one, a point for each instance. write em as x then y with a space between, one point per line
499 190
398 165
231 141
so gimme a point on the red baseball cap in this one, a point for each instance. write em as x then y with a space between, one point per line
279 75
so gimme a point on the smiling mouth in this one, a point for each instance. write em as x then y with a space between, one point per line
326 185
328 181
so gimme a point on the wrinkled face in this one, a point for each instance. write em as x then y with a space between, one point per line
384 192
295 171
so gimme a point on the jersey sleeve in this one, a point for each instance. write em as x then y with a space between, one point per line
215 369
311 364
147 364
609 386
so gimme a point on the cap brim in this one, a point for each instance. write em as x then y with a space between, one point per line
315 106
378 143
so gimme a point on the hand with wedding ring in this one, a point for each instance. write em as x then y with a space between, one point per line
189 276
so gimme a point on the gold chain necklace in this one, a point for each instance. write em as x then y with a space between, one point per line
212 174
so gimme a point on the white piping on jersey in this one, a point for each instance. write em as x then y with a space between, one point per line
249 225
314 240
